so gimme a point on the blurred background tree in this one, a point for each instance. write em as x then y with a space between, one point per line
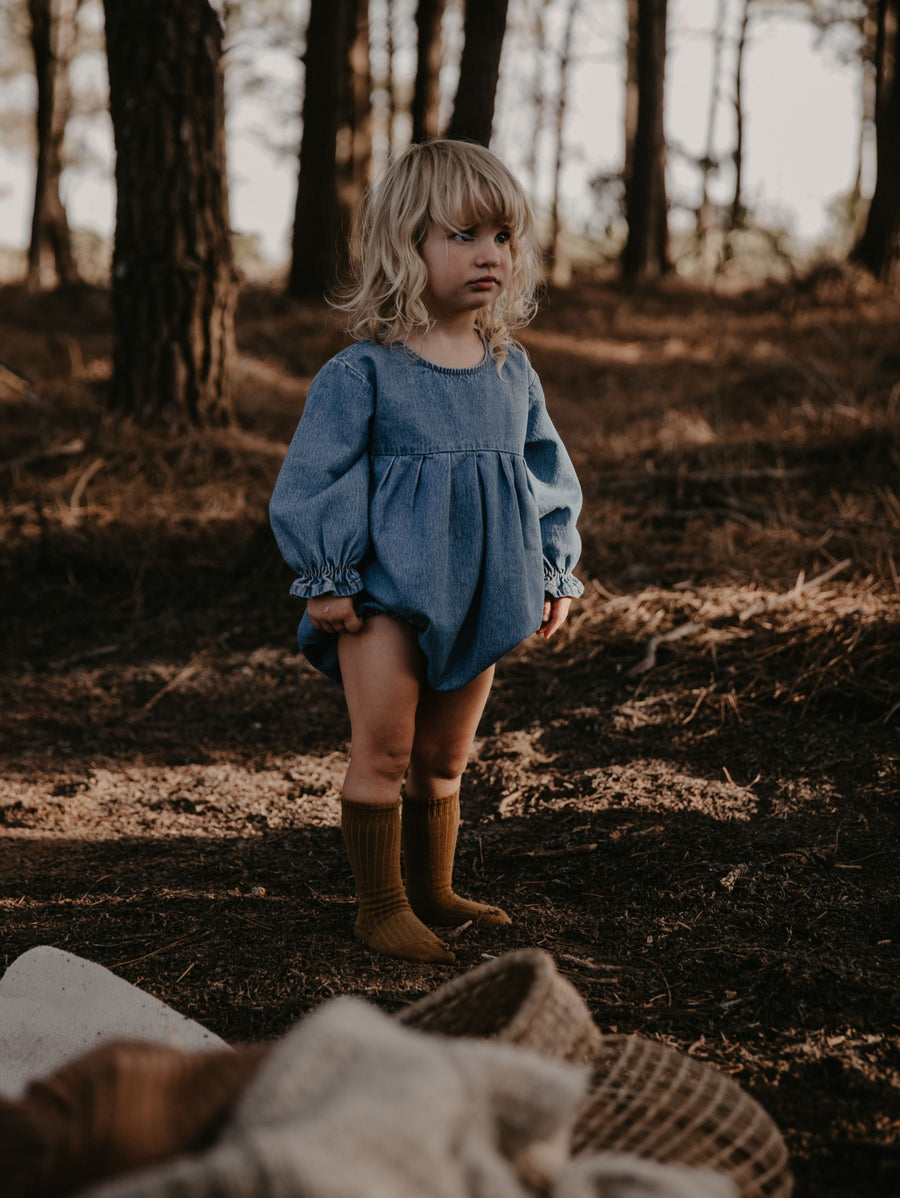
375 75
53 34
335 152
879 247
646 253
173 281
479 71
426 101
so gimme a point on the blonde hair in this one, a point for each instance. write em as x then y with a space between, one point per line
451 184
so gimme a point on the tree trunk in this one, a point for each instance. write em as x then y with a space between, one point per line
531 166
390 82
52 39
353 150
878 250
560 266
868 28
868 34
426 102
646 250
738 211
479 71
632 91
174 287
316 242
708 163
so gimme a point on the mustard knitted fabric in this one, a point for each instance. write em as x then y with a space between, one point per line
430 828
385 920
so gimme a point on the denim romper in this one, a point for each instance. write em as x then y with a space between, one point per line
438 496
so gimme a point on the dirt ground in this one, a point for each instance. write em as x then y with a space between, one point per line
689 797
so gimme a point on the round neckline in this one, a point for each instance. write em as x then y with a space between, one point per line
447 369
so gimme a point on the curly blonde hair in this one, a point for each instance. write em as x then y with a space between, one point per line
451 184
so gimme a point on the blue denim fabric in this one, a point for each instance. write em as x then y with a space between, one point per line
442 497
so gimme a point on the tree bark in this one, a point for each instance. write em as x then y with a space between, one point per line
353 150
708 163
878 250
316 244
479 71
531 167
426 101
632 90
50 257
868 29
174 286
738 211
560 266
390 81
646 250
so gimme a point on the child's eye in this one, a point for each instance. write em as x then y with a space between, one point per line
503 237
462 235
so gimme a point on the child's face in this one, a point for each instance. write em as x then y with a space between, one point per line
468 268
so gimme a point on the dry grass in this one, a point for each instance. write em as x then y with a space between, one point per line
688 797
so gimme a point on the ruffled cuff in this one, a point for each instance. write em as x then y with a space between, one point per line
559 585
340 582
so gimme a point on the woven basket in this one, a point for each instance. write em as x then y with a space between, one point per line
518 998
643 1097
648 1099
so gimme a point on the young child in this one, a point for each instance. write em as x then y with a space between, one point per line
428 507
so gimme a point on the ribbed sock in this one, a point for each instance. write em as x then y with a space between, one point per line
385 920
430 828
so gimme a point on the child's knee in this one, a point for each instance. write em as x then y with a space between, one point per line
440 762
387 760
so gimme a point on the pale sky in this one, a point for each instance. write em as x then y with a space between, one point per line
801 128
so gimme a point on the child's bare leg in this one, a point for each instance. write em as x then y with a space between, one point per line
382 668
445 726
446 722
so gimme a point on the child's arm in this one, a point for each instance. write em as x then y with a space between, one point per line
320 506
558 496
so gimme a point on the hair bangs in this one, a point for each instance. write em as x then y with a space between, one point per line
472 190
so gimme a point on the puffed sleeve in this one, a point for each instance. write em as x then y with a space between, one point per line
558 496
319 509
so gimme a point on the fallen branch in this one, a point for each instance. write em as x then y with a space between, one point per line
648 661
186 672
568 850
81 486
801 587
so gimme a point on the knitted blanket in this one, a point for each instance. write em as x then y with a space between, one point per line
350 1104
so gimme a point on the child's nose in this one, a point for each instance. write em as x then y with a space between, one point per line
487 251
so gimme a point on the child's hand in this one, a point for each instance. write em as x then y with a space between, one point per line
329 613
555 612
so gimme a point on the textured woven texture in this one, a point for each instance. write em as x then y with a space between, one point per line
519 998
648 1099
644 1098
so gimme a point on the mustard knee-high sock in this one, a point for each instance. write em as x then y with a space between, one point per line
385 920
430 828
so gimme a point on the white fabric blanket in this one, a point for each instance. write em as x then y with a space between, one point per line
351 1104
55 1006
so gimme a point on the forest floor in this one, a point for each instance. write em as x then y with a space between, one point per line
689 797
